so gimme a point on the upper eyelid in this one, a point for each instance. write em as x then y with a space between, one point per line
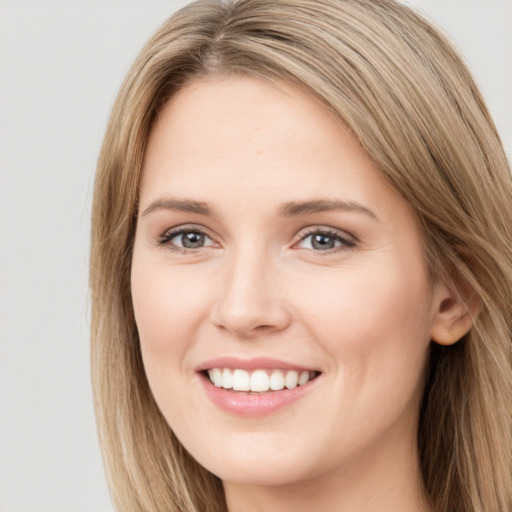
186 227
303 233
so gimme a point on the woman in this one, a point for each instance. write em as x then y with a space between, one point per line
301 268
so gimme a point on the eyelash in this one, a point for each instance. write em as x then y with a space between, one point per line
165 239
345 242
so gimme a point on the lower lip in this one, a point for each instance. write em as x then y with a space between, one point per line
254 404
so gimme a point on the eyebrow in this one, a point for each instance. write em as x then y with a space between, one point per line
323 205
181 205
291 209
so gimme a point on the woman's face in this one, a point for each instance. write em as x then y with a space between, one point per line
270 252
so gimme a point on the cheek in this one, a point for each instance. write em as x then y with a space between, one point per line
169 308
374 327
375 324
166 303
366 299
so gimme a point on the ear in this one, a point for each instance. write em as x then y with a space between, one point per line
457 308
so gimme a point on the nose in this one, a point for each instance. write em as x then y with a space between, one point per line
250 299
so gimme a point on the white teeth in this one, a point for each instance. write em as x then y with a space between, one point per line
227 379
217 377
259 381
303 377
241 380
276 380
291 380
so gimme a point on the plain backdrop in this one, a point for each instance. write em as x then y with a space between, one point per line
61 64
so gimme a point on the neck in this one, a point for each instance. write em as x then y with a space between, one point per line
384 478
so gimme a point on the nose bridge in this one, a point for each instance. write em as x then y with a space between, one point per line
249 298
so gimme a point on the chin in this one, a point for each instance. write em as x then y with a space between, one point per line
261 473
257 460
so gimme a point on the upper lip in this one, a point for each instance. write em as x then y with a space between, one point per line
254 363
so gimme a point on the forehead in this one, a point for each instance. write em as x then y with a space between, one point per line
226 115
251 142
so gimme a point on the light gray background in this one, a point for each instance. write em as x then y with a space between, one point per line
61 64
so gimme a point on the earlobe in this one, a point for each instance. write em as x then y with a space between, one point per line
454 317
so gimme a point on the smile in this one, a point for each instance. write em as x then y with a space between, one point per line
258 386
259 381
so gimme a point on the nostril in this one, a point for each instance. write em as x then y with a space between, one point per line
262 327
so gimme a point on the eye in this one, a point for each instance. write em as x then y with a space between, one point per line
186 238
325 240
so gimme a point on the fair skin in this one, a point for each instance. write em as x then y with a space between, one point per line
265 231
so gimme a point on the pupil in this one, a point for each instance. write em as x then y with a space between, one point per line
322 242
192 240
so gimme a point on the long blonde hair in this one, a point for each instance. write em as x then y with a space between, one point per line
404 93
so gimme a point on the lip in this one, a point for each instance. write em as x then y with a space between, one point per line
250 404
255 363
